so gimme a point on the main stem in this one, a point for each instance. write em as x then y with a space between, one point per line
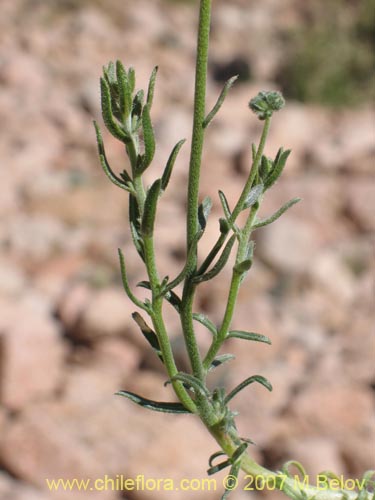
193 183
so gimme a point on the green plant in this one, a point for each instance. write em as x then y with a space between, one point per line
126 114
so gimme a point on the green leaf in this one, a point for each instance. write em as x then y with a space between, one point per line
219 467
170 296
243 267
215 455
138 104
107 113
148 139
225 205
149 213
220 101
189 266
125 282
170 164
256 337
265 167
224 225
223 259
202 318
220 360
253 196
191 382
204 210
104 162
279 164
239 452
149 334
153 405
125 93
151 87
135 226
131 79
110 73
276 215
255 378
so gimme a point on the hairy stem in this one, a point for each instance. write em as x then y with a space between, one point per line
193 184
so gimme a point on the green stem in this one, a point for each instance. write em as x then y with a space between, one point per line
241 252
193 184
237 209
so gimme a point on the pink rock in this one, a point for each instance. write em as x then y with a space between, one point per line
32 356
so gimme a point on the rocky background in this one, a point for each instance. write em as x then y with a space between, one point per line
67 341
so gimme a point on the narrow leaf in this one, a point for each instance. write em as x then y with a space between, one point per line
110 73
223 259
148 138
104 162
255 378
220 360
151 87
191 382
170 296
131 79
204 210
276 215
125 93
239 452
253 196
148 218
202 318
153 405
125 282
138 103
189 266
220 101
225 205
149 334
256 337
170 164
279 164
219 467
215 455
231 481
135 226
107 113
265 167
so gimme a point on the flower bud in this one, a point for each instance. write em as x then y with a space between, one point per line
265 103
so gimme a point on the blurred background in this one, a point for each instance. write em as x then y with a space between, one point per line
67 340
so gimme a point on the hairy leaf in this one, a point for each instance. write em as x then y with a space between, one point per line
220 101
255 378
149 213
279 164
107 113
202 318
151 87
125 93
220 360
276 215
170 164
256 337
191 382
153 405
149 334
253 196
148 138
104 162
204 210
225 205
223 259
